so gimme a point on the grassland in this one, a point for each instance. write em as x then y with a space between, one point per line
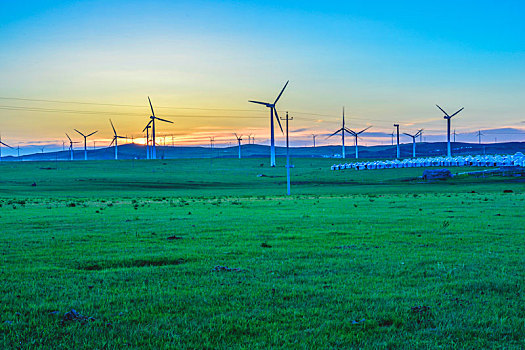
371 259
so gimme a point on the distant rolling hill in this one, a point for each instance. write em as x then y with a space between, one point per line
134 151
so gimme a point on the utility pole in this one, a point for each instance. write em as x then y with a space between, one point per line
287 155
398 150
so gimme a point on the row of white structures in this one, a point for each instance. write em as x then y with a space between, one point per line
481 160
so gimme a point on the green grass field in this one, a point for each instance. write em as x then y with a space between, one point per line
369 259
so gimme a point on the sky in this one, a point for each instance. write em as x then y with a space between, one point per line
75 64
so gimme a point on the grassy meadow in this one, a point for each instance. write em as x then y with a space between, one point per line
211 254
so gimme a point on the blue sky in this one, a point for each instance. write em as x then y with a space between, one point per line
201 61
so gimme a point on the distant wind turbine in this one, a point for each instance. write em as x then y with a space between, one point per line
342 130
272 111
85 141
146 128
115 138
398 150
479 136
356 135
239 139
414 141
313 137
70 146
448 117
152 121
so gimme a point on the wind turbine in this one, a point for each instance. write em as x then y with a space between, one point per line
342 130
272 110
356 135
5 144
414 141
146 128
479 136
448 117
152 121
85 141
212 141
115 138
313 137
70 145
239 139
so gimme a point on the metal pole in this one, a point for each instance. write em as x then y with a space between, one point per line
287 156
398 150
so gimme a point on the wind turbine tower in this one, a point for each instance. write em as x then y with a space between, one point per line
479 136
414 141
239 139
398 153
152 121
85 141
448 117
313 137
272 111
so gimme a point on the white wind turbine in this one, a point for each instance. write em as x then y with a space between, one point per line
152 122
272 111
85 141
115 138
448 117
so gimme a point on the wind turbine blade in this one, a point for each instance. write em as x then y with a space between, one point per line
457 112
443 111
419 132
79 132
68 137
114 131
120 137
351 132
147 126
236 135
261 103
410 135
152 112
278 121
112 141
335 133
278 97
94 132
5 144
362 131
163 120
